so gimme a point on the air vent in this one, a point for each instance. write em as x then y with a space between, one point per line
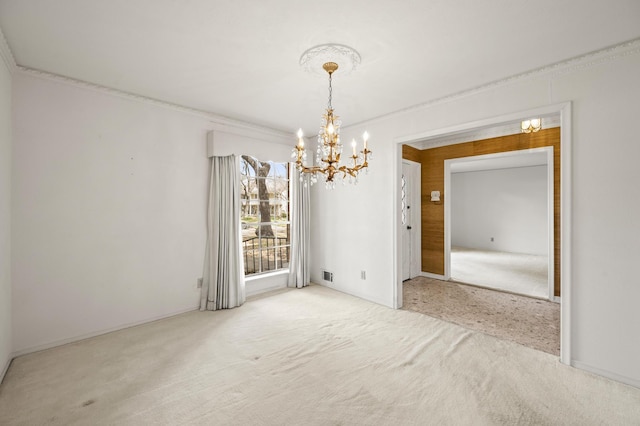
327 276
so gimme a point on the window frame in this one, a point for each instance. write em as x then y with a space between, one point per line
264 254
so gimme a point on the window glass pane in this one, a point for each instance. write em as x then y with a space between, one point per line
284 215
262 189
283 256
281 231
268 255
251 261
250 238
278 170
264 214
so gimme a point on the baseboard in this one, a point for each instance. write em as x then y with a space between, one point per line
359 295
6 367
97 333
557 299
434 276
604 373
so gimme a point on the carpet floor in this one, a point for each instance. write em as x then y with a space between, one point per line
528 321
524 274
309 356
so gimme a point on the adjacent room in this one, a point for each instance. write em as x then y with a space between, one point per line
499 224
205 208
504 287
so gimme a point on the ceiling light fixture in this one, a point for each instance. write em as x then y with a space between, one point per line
533 125
329 144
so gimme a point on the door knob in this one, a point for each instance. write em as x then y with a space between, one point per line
408 227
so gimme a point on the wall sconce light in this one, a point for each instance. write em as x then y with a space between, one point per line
435 196
533 125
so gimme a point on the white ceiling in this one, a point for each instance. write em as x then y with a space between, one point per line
239 59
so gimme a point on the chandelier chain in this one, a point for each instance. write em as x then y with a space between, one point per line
330 92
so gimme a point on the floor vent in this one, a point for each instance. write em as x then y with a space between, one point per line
327 276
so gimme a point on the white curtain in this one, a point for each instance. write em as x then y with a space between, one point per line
223 277
299 274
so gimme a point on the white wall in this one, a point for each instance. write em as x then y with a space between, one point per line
5 217
110 199
109 207
353 227
508 205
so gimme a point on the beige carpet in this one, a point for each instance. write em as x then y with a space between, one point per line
306 357
531 322
514 272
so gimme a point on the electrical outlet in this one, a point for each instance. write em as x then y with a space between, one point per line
199 283
491 239
363 275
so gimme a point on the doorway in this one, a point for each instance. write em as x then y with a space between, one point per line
445 135
499 221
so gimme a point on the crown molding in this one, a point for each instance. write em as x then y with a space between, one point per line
6 54
588 60
219 122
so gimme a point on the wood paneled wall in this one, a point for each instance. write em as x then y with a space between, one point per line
432 161
411 153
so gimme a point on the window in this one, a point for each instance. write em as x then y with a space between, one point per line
403 200
264 211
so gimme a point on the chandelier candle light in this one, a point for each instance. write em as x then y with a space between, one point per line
330 148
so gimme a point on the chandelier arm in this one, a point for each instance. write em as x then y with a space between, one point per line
314 169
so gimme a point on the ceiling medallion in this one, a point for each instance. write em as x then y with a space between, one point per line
315 57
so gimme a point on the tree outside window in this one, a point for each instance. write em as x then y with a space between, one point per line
264 207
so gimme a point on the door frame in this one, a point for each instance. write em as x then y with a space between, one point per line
564 110
548 150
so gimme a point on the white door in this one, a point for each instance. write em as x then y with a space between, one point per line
405 219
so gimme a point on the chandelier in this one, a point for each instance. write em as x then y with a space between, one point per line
329 148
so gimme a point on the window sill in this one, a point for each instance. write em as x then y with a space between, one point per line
266 275
266 282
